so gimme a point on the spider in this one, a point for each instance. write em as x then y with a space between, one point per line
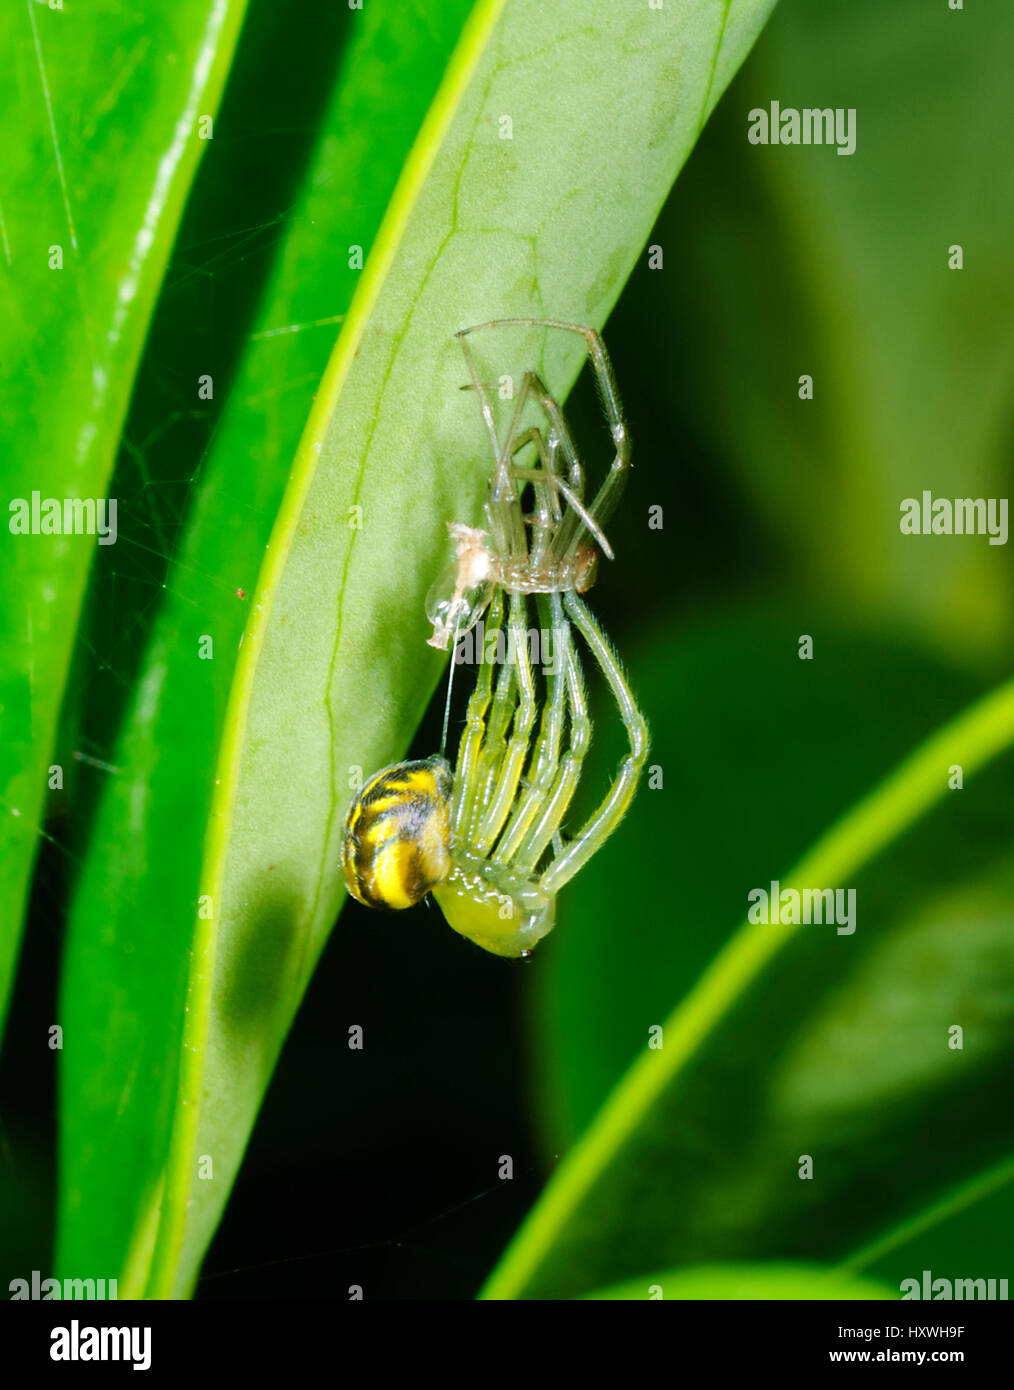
486 839
552 550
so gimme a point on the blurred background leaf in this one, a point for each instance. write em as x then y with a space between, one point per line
99 121
844 276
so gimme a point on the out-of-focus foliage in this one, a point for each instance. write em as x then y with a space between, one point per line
795 260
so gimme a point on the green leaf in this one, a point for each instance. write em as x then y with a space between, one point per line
789 1041
760 1281
912 361
125 968
544 215
100 132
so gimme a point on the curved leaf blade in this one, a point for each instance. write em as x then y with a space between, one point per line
550 226
125 965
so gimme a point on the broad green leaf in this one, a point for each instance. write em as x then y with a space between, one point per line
100 127
912 361
128 949
759 1281
789 1041
517 200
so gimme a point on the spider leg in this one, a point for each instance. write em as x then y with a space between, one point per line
601 363
605 380
512 765
494 746
547 503
568 773
481 390
548 487
612 810
609 493
503 508
576 506
484 385
546 752
503 503
532 388
561 440
467 771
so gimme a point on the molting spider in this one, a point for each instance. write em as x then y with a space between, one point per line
486 839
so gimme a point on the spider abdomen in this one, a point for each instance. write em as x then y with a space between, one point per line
396 838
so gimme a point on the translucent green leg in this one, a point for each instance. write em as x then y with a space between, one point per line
505 513
612 810
601 508
547 501
565 784
577 508
494 747
513 763
466 773
560 440
546 752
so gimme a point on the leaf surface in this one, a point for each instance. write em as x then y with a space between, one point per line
514 202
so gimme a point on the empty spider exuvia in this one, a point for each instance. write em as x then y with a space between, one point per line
555 548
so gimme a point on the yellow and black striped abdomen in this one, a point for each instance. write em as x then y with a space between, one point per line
396 844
